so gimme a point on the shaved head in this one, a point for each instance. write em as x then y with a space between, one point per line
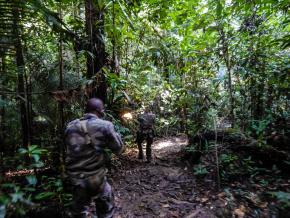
95 105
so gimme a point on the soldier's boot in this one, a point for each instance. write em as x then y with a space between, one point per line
140 154
149 150
139 140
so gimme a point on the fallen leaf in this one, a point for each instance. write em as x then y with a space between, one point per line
222 194
239 213
165 205
263 205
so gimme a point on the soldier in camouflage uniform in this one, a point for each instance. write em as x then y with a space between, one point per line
86 138
146 132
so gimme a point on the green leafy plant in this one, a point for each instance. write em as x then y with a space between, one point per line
33 152
18 200
200 170
282 197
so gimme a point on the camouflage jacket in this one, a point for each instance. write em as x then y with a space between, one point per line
146 121
86 138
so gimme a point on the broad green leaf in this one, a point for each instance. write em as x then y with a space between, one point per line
45 195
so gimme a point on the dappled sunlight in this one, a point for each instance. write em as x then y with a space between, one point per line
23 172
163 144
127 116
177 108
174 143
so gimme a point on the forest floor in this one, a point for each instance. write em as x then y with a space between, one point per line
167 187
163 188
170 187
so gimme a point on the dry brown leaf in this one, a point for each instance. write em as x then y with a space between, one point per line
165 205
240 212
221 195
263 205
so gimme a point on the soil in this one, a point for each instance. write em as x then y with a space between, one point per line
167 187
163 188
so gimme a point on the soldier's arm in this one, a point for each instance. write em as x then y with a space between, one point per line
115 142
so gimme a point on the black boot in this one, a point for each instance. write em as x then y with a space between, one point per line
140 155
148 153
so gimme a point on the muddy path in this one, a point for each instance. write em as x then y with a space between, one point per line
163 188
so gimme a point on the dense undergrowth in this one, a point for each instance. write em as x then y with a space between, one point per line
215 70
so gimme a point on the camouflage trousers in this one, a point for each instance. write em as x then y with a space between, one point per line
148 135
92 200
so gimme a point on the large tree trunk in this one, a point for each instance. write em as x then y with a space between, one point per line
24 113
96 56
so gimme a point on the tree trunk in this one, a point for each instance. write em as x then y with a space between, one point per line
96 56
21 82
2 124
115 62
28 104
2 108
60 160
226 56
61 104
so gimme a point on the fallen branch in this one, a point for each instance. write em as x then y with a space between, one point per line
194 214
175 201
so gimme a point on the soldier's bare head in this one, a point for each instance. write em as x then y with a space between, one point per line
95 106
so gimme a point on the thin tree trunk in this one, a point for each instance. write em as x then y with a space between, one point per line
2 124
115 62
96 56
76 12
61 106
226 56
28 104
127 58
216 155
113 40
21 82
2 110
61 103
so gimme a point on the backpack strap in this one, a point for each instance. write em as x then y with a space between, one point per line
84 129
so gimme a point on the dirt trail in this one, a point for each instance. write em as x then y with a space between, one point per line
164 188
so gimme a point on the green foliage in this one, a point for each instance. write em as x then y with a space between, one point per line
200 170
33 152
194 62
233 166
282 197
17 200
228 158
19 197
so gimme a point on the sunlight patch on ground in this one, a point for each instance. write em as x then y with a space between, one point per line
164 144
174 143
